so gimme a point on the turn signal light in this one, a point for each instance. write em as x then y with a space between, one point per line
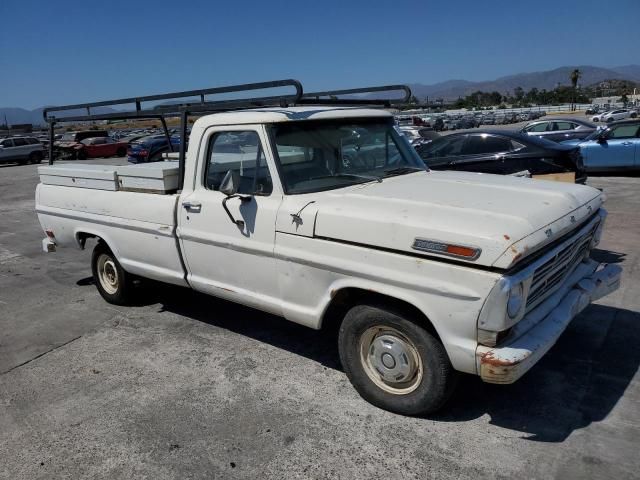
462 251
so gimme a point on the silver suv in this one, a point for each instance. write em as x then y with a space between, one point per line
21 150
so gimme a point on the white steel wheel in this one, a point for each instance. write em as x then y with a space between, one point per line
114 284
107 274
390 360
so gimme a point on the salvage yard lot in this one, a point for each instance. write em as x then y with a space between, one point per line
188 386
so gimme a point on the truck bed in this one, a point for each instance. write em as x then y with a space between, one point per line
140 228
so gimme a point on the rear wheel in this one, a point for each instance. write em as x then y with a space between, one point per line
81 155
394 363
121 152
114 284
35 157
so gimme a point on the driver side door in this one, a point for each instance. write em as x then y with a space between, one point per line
615 152
222 258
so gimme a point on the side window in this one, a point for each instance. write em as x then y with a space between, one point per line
19 142
623 131
32 141
242 152
562 126
539 127
480 144
7 143
446 147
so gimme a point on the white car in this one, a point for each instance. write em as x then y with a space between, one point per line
21 150
598 117
614 115
426 273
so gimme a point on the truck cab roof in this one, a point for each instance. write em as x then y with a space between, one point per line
288 114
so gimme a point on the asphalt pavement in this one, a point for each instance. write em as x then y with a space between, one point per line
189 386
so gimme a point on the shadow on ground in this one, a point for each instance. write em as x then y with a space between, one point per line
578 382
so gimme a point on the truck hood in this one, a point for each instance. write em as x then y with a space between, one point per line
506 218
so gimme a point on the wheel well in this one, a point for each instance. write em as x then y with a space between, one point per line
82 237
344 299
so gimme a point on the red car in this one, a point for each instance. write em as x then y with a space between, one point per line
99 147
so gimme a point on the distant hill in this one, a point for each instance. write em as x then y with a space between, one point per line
20 115
541 80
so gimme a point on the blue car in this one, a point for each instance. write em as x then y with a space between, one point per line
151 148
615 148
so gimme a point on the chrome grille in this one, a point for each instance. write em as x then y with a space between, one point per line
550 275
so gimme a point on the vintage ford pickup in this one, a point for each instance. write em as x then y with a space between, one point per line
326 215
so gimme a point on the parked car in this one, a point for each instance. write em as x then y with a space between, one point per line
100 147
502 152
616 148
559 129
619 114
151 148
592 110
70 144
21 150
419 135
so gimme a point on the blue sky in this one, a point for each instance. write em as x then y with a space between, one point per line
57 51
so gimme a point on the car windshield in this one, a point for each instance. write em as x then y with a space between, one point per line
323 155
68 137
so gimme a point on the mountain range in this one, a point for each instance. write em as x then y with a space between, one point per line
550 79
448 90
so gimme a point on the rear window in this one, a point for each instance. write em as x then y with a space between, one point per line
19 142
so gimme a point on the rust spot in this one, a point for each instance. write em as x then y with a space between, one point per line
517 257
227 289
506 237
489 359
514 250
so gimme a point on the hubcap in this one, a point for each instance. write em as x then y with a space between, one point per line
390 360
107 274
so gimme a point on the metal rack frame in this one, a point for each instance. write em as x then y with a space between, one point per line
204 106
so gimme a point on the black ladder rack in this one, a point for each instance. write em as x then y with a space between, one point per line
172 107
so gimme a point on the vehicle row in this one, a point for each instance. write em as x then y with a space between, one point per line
459 121
532 153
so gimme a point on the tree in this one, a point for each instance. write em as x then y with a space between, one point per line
518 92
414 100
624 99
574 77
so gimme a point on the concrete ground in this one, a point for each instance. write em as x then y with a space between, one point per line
188 386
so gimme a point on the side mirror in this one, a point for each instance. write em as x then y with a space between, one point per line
229 186
230 183
602 138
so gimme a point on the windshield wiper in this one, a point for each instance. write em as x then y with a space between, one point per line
402 171
369 178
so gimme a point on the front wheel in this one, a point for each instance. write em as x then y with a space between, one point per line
113 283
395 363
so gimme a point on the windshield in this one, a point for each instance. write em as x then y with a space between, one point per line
324 155
68 137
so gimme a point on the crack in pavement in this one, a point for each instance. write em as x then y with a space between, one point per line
41 355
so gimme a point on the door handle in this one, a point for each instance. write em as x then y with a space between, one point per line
192 206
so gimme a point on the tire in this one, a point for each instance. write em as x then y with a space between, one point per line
114 284
419 378
35 157
81 155
121 152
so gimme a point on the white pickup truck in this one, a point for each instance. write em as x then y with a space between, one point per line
324 214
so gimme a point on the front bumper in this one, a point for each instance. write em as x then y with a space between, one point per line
507 363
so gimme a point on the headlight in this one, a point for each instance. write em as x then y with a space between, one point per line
515 302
